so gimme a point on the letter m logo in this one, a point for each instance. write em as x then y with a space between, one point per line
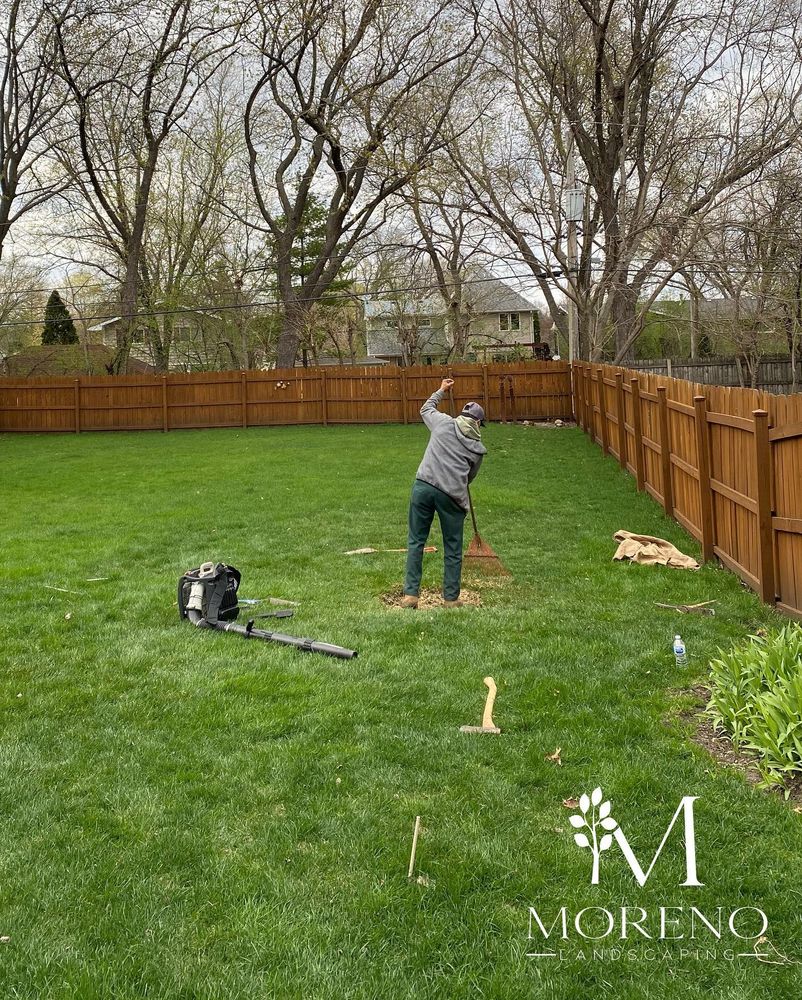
602 830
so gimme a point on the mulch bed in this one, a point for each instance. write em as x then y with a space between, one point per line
430 599
719 746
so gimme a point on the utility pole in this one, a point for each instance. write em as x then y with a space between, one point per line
574 210
694 313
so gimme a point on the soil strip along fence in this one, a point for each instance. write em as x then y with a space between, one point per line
724 462
537 390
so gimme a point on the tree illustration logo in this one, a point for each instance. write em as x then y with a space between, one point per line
594 817
595 814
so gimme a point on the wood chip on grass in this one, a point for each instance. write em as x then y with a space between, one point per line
430 599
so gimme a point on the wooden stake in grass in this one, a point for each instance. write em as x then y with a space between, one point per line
414 847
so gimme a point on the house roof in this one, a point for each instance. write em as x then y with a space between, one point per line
103 325
67 359
728 308
427 305
485 292
490 294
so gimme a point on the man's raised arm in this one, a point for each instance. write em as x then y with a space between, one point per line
429 412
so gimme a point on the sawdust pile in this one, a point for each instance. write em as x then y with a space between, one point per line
430 599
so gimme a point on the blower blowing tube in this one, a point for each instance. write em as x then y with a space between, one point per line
249 632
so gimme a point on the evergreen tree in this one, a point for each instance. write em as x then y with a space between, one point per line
308 247
59 327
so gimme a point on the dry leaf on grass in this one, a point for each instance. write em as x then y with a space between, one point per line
571 803
555 757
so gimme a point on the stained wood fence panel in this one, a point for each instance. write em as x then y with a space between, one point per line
330 395
724 462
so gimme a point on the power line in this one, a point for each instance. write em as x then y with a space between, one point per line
324 300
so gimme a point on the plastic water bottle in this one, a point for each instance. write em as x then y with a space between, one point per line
680 654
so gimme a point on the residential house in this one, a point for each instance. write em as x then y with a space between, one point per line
416 329
66 359
195 341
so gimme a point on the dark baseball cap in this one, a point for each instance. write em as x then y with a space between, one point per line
474 410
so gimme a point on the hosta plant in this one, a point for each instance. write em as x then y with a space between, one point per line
757 699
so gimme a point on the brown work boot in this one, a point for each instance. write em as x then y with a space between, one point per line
409 601
452 604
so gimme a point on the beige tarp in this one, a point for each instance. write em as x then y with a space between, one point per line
651 551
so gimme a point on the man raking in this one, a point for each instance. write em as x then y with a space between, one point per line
450 463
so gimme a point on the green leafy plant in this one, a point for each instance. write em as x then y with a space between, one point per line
757 699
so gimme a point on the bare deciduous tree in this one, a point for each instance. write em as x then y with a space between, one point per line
666 108
134 76
751 256
455 240
351 102
30 104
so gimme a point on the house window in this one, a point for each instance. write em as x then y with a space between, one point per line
509 321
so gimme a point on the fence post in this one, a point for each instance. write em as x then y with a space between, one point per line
665 450
765 534
503 399
485 394
244 398
603 411
165 425
588 381
404 395
621 407
640 477
587 411
324 397
705 492
76 391
575 408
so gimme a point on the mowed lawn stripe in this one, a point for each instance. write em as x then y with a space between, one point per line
192 815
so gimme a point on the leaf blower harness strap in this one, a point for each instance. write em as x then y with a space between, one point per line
207 597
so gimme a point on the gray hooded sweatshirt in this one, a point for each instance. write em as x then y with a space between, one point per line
451 459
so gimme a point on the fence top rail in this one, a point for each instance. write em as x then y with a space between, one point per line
786 432
675 404
731 420
544 368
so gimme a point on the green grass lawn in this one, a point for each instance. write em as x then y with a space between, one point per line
188 815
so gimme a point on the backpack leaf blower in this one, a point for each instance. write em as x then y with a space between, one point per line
207 597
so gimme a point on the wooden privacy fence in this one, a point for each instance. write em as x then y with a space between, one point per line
724 462
535 390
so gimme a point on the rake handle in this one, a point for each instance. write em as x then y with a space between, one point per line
470 500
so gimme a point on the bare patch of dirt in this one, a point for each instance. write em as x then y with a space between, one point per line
430 599
719 746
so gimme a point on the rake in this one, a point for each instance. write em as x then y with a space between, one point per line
479 552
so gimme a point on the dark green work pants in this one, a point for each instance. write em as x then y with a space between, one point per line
425 501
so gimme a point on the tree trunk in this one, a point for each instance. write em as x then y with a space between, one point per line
289 339
624 319
128 304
